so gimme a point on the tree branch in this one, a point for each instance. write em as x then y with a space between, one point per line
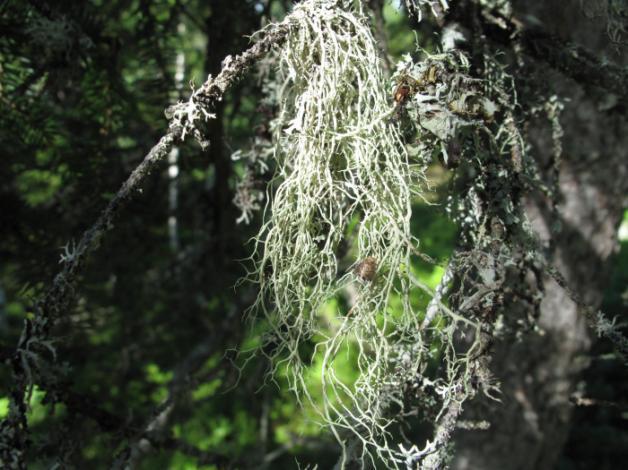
35 337
152 434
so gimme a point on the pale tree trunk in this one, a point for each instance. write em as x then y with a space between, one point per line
173 159
538 373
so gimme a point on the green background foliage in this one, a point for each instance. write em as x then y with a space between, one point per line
83 86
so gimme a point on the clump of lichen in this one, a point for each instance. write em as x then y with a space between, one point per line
346 176
343 178
349 150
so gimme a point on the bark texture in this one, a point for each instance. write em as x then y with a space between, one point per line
538 372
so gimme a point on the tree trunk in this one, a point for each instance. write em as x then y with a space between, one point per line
538 373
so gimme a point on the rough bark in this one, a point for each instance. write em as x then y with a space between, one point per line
538 373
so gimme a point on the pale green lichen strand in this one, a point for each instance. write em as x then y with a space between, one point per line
338 158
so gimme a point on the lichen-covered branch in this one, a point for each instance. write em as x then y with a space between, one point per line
35 343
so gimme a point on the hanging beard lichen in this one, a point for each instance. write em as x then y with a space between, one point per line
343 178
347 163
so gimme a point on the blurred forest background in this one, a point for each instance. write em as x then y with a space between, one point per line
151 337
